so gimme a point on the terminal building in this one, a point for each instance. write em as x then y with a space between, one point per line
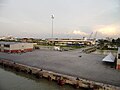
69 42
15 47
118 59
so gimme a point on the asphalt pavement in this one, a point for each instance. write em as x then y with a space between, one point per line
74 63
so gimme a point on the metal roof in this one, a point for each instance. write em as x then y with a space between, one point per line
8 42
2 42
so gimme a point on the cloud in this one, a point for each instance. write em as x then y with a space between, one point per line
109 30
78 32
6 20
71 34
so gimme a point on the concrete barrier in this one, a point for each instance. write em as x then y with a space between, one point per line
59 78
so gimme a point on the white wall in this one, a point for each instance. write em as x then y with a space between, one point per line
2 47
16 46
21 46
27 45
118 60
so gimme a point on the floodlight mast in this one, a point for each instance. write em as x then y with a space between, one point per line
52 17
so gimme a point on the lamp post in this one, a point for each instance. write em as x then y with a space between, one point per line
52 17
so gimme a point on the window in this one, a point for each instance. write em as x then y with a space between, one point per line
6 45
118 56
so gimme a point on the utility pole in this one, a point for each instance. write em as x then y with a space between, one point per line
52 17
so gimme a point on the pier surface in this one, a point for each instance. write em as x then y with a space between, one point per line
88 66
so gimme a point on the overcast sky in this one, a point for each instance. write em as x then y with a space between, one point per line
73 18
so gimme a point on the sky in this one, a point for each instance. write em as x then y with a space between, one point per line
72 18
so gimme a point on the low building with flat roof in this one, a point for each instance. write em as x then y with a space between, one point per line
71 41
15 47
118 59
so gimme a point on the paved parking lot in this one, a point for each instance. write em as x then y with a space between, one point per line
88 66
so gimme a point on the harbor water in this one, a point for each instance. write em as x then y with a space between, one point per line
10 80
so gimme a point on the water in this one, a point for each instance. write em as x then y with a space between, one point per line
18 81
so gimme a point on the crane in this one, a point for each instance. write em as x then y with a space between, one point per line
90 35
95 35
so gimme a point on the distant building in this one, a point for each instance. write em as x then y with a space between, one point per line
118 59
109 39
15 47
57 48
66 42
7 38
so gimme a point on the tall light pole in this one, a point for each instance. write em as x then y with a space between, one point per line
52 17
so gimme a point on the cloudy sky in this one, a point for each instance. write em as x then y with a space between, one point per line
73 18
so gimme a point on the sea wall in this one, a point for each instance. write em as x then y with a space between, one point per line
59 78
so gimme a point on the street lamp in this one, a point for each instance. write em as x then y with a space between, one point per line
52 17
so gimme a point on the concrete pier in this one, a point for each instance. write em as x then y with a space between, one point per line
89 50
59 78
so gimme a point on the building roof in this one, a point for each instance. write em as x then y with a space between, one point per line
2 42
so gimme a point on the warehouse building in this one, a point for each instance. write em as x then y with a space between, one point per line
118 59
15 47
